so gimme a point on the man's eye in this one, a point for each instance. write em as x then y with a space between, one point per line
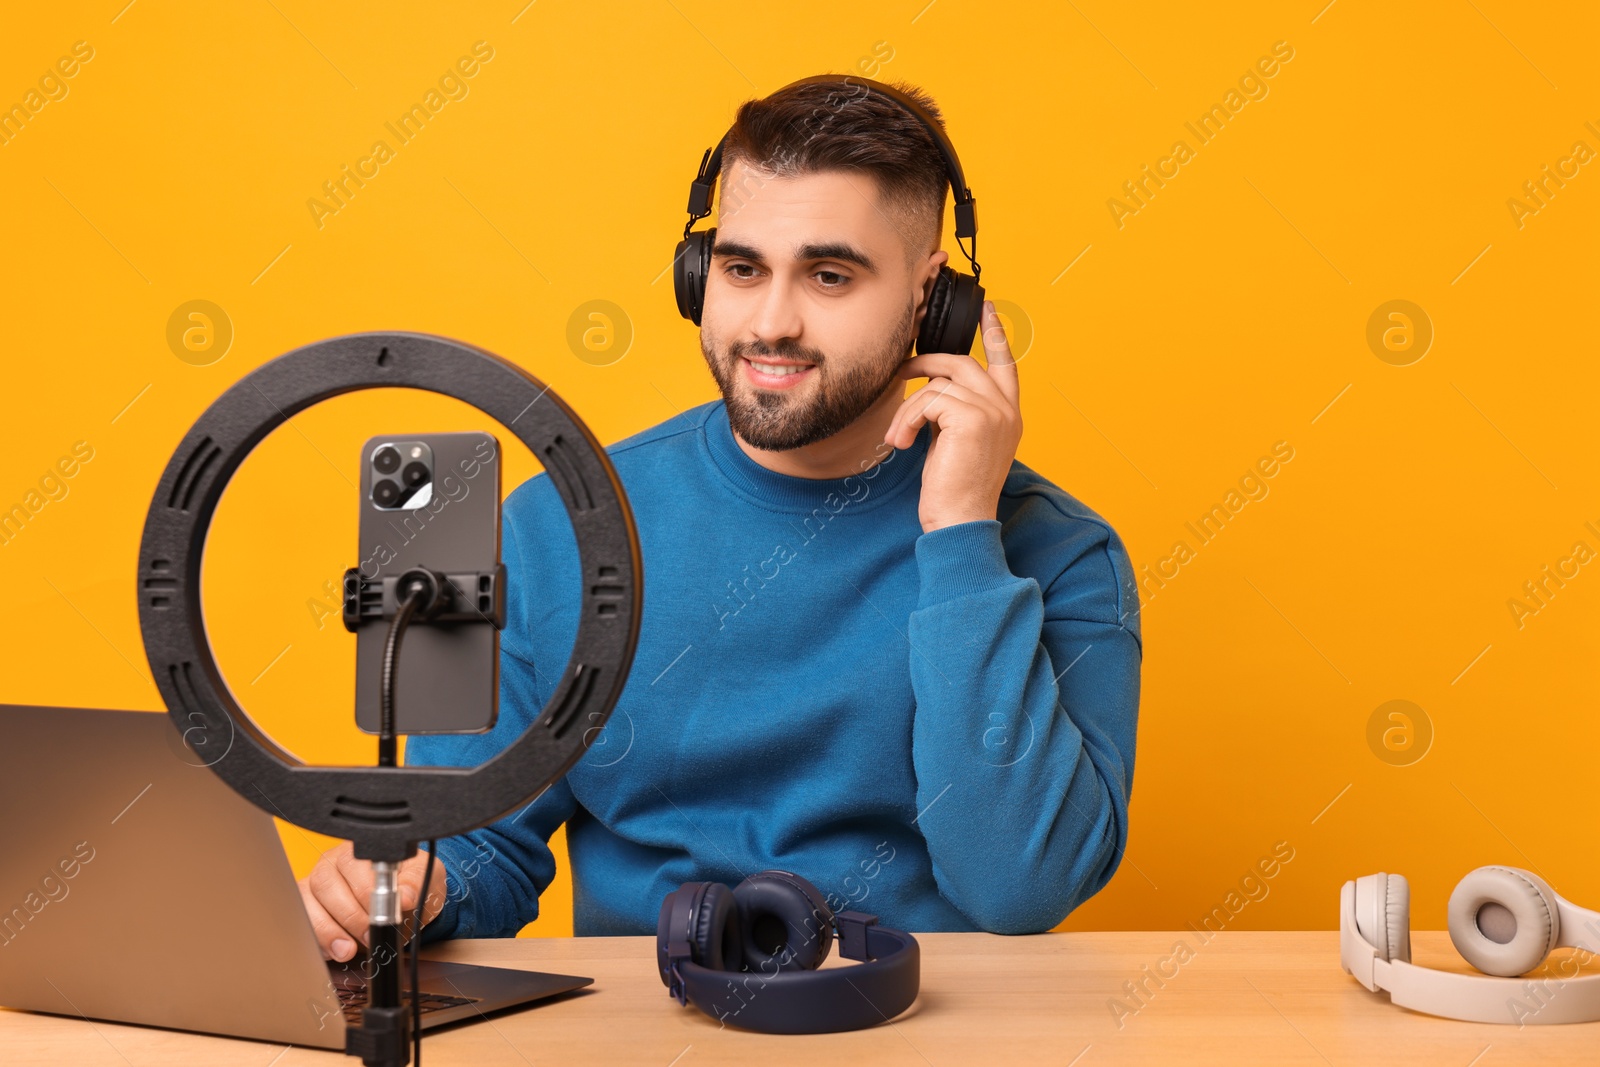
840 284
738 266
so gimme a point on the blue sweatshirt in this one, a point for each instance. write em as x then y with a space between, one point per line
937 728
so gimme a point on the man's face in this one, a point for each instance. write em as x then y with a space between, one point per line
808 271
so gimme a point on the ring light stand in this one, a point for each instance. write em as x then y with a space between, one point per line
386 811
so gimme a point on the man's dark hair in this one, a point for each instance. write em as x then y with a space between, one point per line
821 127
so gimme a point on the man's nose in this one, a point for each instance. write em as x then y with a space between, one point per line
777 316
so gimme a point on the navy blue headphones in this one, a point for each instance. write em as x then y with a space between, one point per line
749 956
956 303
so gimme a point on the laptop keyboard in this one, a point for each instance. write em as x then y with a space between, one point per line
351 1001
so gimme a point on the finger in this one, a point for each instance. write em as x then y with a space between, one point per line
333 939
357 874
360 880
410 880
343 901
942 387
438 892
928 404
896 435
412 873
962 369
909 419
997 352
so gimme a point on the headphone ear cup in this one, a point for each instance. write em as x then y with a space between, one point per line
716 930
1504 920
690 264
784 922
1383 914
934 317
1397 918
955 308
705 915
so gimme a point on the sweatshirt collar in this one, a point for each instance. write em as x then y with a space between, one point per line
785 492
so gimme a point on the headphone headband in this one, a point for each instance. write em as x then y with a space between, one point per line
813 1001
966 205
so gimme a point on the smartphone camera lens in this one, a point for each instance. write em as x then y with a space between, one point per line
415 474
387 461
385 493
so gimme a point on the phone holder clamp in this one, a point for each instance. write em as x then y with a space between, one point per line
468 596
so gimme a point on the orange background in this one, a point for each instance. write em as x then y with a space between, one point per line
1165 356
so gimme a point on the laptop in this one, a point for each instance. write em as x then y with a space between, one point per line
137 887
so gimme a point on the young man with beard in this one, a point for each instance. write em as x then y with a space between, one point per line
875 650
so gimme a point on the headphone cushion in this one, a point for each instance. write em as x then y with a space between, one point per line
704 914
690 913
1532 907
1383 914
931 334
785 923
955 309
716 929
1397 918
690 264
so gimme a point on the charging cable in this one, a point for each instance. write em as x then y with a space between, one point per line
423 593
416 944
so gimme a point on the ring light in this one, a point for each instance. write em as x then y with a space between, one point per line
385 811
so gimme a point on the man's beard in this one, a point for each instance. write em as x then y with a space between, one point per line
777 421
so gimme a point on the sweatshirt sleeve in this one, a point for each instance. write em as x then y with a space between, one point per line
497 872
1027 713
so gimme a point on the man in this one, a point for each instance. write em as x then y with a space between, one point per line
875 650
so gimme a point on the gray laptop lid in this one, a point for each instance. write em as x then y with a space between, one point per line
136 886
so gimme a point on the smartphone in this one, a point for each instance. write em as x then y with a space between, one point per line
431 500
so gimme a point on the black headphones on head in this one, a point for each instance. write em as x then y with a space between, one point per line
749 956
956 303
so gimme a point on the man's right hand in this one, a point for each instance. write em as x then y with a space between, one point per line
339 887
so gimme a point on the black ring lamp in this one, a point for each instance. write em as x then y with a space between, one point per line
386 811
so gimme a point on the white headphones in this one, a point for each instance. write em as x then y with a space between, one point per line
1503 921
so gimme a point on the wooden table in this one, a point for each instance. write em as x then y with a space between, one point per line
1244 998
